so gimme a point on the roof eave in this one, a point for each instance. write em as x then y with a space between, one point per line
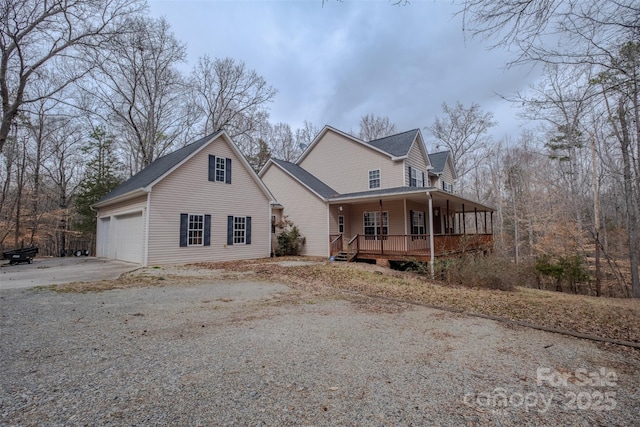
123 197
425 190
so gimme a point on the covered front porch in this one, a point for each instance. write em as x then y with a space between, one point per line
418 224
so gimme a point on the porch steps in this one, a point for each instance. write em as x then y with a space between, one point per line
342 257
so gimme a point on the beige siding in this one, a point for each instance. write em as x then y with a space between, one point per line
416 160
334 213
344 165
447 174
188 190
304 208
396 216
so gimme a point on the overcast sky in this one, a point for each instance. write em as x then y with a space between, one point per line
332 64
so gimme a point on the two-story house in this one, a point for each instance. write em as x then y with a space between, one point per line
383 199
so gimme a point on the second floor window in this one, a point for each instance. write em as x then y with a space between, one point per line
416 178
447 186
374 178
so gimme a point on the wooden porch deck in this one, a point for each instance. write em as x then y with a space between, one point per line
416 247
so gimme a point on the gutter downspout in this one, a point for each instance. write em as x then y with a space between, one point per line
431 240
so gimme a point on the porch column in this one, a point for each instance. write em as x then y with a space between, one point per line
475 213
381 228
431 244
464 222
485 222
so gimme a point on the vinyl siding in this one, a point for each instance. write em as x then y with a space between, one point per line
188 190
447 174
416 160
305 209
344 165
396 216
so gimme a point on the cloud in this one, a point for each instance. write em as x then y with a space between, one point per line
334 64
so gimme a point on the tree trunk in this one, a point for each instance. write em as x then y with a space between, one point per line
632 218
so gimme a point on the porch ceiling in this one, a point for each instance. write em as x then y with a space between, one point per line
440 199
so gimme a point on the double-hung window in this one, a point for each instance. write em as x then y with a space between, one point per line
447 186
239 230
374 178
416 178
341 224
220 169
195 229
418 223
195 232
372 223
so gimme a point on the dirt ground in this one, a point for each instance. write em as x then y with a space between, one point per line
196 346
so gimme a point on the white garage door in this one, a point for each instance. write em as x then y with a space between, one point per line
128 237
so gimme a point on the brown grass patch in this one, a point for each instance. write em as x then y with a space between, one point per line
605 317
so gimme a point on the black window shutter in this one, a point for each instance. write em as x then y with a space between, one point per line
212 167
411 181
423 184
184 225
248 231
424 221
230 230
207 230
227 168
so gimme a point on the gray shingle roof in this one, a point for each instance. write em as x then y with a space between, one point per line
438 161
157 168
307 179
397 145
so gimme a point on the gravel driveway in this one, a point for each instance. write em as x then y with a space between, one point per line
51 271
230 352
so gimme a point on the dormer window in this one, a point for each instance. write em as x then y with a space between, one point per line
374 179
416 177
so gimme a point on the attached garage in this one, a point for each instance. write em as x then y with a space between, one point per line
201 203
128 237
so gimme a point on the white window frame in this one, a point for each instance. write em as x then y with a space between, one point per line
447 187
368 224
416 176
239 230
195 230
373 179
341 224
221 169
418 223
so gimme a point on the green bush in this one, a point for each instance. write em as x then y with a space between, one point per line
563 269
290 241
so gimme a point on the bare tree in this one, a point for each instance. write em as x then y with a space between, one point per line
282 143
306 134
464 132
137 80
226 95
55 34
375 127
556 31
